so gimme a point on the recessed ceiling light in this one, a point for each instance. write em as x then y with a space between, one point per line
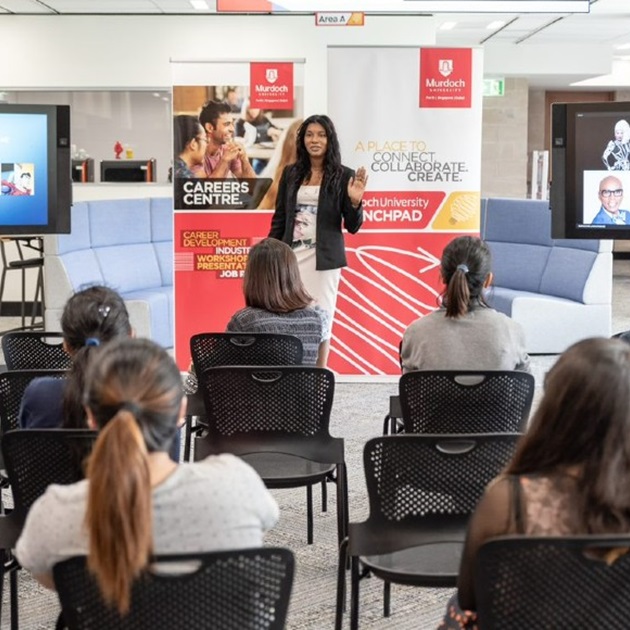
623 47
448 26
495 25
199 5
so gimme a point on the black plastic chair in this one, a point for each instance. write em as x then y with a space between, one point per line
277 419
422 490
34 459
12 387
465 401
226 590
39 350
216 349
553 582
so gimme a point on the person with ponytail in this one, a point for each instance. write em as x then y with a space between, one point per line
464 333
136 502
91 317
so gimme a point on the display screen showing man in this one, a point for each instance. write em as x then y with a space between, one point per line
611 196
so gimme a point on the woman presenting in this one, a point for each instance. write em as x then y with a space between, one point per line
316 196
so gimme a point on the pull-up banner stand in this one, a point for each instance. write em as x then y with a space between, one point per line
216 221
412 118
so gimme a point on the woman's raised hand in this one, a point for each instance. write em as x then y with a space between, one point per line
356 186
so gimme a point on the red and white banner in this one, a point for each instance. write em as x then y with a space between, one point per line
271 85
424 166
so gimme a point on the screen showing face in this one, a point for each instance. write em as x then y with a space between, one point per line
24 169
602 171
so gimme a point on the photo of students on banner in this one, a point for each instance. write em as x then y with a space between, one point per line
224 149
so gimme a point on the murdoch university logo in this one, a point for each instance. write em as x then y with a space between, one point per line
271 74
445 66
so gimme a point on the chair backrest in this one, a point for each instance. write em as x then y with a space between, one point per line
36 458
216 349
289 400
465 401
12 386
417 476
39 350
226 590
553 582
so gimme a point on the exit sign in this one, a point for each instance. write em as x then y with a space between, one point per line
339 19
494 87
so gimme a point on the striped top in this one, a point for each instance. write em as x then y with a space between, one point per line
310 325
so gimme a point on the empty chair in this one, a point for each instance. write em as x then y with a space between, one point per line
451 401
422 490
277 419
553 582
32 350
224 590
215 349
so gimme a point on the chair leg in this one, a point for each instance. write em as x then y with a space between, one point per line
386 424
341 584
387 592
23 304
324 495
14 599
2 280
309 515
354 593
342 503
187 438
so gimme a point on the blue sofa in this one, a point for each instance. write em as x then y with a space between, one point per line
125 244
560 291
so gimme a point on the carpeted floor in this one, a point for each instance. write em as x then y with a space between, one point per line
357 415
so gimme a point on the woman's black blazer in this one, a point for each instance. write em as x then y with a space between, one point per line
332 208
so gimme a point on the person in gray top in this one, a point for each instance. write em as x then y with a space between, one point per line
136 501
464 333
277 302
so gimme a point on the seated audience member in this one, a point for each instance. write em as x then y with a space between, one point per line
570 473
90 318
464 333
276 302
136 501
284 154
190 145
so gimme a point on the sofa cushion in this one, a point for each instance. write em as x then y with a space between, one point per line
120 222
162 220
83 269
78 239
518 266
129 267
566 272
160 301
526 221
164 255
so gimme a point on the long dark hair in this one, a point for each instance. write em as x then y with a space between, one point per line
185 129
466 263
272 278
583 422
90 317
134 391
333 169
